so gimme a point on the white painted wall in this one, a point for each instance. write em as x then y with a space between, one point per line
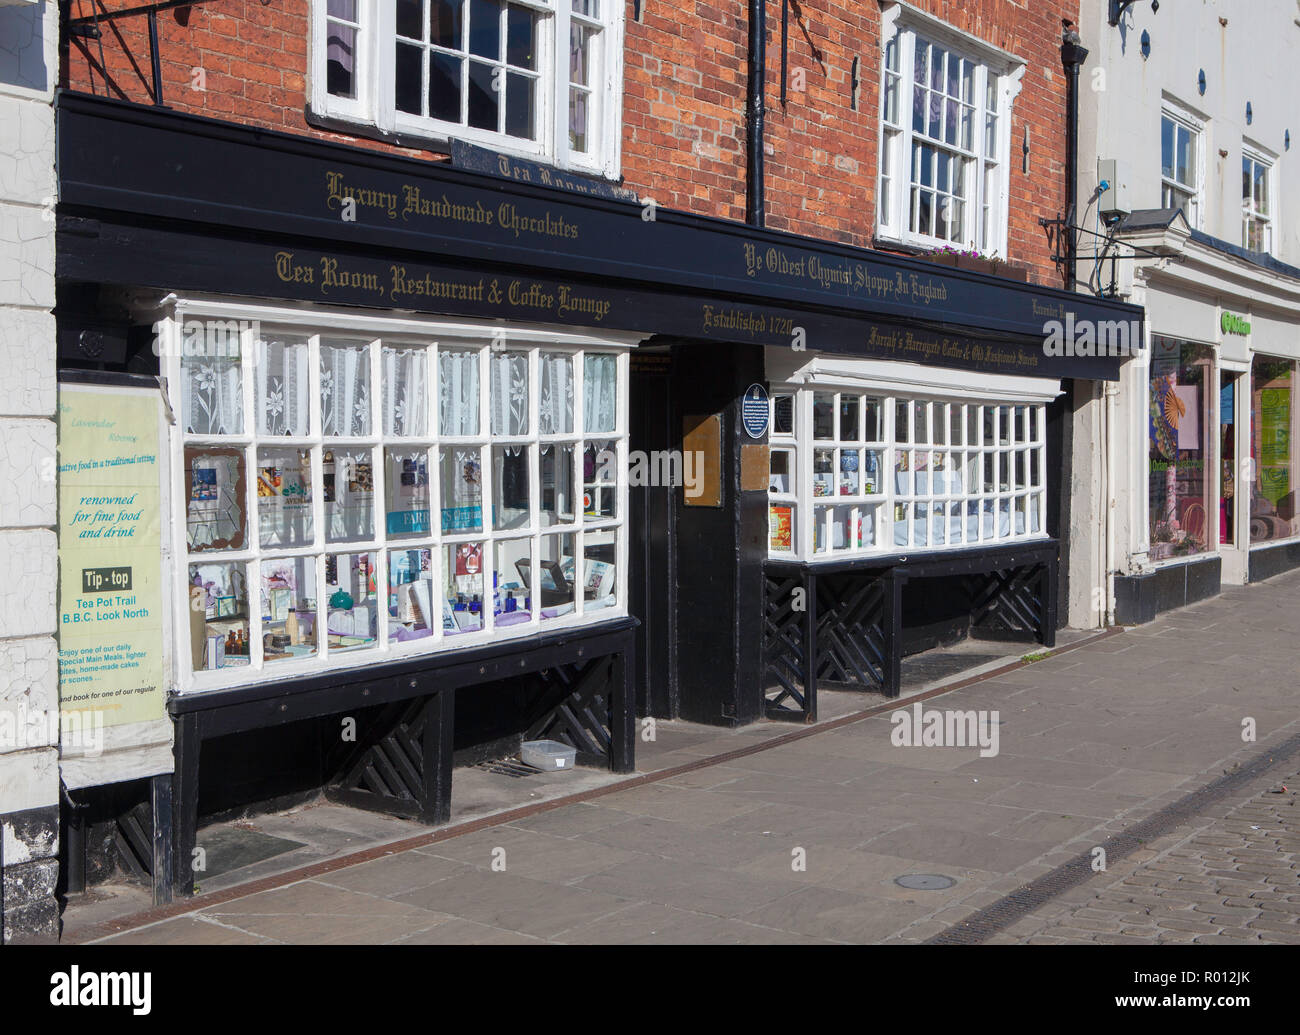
29 775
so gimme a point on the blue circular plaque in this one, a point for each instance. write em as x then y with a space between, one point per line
753 411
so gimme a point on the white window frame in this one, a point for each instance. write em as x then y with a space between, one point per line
1182 117
376 332
1258 156
1006 396
375 104
905 24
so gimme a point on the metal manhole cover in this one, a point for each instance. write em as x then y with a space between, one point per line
924 881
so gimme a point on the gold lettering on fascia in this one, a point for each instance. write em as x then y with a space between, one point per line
411 200
847 276
747 321
328 273
909 344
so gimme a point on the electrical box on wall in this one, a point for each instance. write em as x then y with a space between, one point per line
1114 202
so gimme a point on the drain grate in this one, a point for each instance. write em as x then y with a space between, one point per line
507 767
986 922
924 881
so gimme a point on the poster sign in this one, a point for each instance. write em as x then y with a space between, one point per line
110 556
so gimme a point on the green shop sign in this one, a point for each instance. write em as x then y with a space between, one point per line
1231 323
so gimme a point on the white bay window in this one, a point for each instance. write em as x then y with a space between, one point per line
402 486
866 462
537 78
944 135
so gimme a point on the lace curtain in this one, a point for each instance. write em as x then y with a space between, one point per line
599 392
405 402
345 390
509 373
458 393
213 397
282 387
555 400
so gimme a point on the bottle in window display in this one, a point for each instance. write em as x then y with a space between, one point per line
823 473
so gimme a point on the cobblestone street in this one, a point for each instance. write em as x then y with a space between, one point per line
1235 879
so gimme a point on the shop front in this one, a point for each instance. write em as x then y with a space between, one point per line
469 460
1212 494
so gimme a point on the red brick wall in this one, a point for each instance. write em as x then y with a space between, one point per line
684 99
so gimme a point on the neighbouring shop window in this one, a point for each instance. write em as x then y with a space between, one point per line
945 143
1182 379
1272 450
856 472
394 494
540 78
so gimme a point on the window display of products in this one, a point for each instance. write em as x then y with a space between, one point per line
1274 461
1181 380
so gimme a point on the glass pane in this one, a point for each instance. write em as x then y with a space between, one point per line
579 119
1167 148
781 528
510 501
282 387
521 46
348 484
344 389
823 472
410 19
340 58
509 392
214 513
448 23
871 429
520 113
850 472
218 616
599 570
511 602
1183 171
823 415
600 392
557 502
405 404
555 394
413 605
463 564
850 410
349 589
408 76
406 485
462 489
554 580
213 394
921 422
484 96
903 472
445 72
288 609
284 497
485 28
871 467
600 481
458 393
783 414
580 37
781 472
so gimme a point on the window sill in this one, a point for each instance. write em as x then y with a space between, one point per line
439 145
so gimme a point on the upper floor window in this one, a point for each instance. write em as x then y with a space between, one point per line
1180 165
1256 202
945 141
537 78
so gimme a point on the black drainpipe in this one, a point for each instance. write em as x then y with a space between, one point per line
1073 55
756 213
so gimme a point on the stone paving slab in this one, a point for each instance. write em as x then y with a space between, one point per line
801 842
